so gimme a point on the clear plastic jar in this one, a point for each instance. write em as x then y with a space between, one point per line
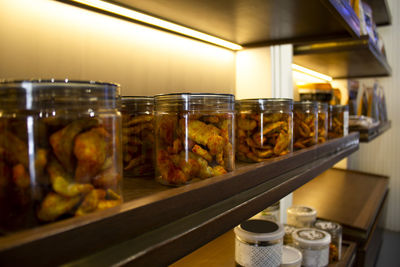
322 122
258 243
59 150
335 230
291 257
314 246
272 213
194 136
264 129
338 122
289 229
305 124
138 135
301 216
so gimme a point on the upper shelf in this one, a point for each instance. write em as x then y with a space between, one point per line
159 224
257 22
354 58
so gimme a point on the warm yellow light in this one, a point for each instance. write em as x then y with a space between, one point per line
132 14
311 73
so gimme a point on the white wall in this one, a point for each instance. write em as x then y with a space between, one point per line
382 156
45 38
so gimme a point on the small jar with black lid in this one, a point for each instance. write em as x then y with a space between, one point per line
138 135
322 122
314 246
335 230
258 243
264 128
338 122
194 136
305 124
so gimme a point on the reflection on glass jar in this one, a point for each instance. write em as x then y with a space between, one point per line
264 129
194 136
338 122
59 150
322 122
138 135
305 124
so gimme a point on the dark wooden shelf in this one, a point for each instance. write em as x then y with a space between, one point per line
381 12
367 135
257 22
353 58
161 224
353 198
221 253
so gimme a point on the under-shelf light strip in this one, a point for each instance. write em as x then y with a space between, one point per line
135 15
311 73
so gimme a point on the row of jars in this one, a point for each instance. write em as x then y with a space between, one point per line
61 153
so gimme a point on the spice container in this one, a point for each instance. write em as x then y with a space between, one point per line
258 243
291 257
59 150
194 136
314 246
271 213
338 122
138 135
322 122
264 129
305 124
301 216
289 229
335 230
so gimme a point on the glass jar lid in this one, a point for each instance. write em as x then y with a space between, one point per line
42 93
339 108
311 237
259 231
137 102
194 101
303 211
291 257
265 103
322 106
310 105
331 227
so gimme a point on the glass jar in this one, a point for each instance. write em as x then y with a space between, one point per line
305 124
264 129
271 213
314 246
301 216
322 122
289 229
258 243
194 136
59 150
291 257
138 135
335 230
338 122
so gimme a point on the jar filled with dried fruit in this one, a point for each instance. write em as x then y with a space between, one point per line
322 122
264 129
59 150
305 124
338 122
194 136
138 135
335 230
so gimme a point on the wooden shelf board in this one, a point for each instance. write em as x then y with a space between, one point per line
343 59
161 224
353 198
256 22
367 135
